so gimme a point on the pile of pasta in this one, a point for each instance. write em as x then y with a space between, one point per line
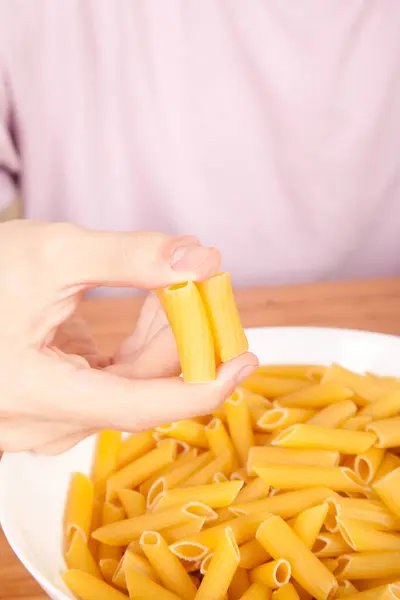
291 490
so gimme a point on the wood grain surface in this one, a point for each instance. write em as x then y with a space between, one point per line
370 305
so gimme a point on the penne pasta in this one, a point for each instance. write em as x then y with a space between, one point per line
389 463
365 388
368 565
316 396
108 444
285 505
330 545
387 432
362 537
254 400
187 317
334 415
359 509
205 475
219 478
330 563
254 490
133 502
388 490
273 387
273 574
386 592
239 584
167 566
385 406
290 371
181 460
79 507
87 587
108 566
260 456
312 437
287 592
213 495
346 588
367 464
141 587
286 477
173 534
240 475
135 446
279 418
223 316
221 568
280 541
357 423
187 430
78 556
262 439
139 470
220 442
252 555
111 513
239 425
133 561
308 524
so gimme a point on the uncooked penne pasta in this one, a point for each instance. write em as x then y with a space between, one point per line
254 490
252 554
286 477
317 396
239 425
312 437
124 532
273 387
79 507
141 587
220 478
346 588
133 502
307 525
227 331
174 534
167 566
286 505
389 463
330 545
357 423
220 442
87 587
388 490
213 495
363 537
133 561
135 446
254 400
205 475
273 574
108 445
290 371
367 463
334 415
108 566
280 541
387 405
387 432
111 513
287 592
181 460
278 418
186 430
187 316
386 592
365 388
79 557
142 468
258 592
359 509
239 584
265 455
262 439
221 569
368 565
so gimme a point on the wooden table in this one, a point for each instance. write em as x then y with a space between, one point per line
370 305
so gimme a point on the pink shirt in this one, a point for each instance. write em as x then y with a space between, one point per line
269 128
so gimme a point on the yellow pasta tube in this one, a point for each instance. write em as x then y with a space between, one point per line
368 565
124 532
287 592
280 541
330 563
186 430
176 464
252 555
260 456
273 574
278 418
285 505
258 592
369 584
273 387
187 316
108 444
167 566
108 566
214 495
262 439
239 425
133 561
142 468
135 446
254 490
79 557
334 415
141 587
387 432
87 587
219 478
316 396
221 569
79 507
357 423
307 525
386 592
388 489
134 502
111 514
174 534
367 464
359 509
389 463
239 584
312 437
362 537
227 331
290 371
220 442
365 388
205 475
387 405
254 400
330 545
346 588
286 477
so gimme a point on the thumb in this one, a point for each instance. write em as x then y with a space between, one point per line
145 260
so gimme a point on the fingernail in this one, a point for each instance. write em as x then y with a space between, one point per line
186 258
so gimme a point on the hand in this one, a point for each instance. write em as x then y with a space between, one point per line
49 400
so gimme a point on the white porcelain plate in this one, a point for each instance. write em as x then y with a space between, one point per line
33 489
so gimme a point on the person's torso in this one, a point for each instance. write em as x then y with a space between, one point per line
270 129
